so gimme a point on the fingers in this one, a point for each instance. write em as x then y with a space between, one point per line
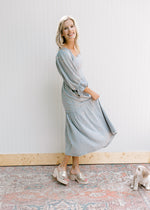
95 97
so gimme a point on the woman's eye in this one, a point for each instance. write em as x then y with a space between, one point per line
67 27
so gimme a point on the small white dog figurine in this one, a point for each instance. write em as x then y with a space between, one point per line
141 177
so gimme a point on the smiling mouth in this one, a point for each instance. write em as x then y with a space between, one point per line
70 34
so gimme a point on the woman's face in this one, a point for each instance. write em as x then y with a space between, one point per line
69 30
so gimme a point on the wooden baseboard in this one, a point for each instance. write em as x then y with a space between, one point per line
56 158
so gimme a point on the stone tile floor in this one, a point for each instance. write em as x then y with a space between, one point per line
34 188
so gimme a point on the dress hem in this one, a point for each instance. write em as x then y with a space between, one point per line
94 150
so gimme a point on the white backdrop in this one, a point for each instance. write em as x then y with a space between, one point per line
115 46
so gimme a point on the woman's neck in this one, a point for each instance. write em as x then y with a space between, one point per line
70 45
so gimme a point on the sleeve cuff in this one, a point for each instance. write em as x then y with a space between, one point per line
82 86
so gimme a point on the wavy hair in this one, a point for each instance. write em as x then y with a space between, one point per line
60 41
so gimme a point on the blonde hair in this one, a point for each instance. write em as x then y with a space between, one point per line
59 39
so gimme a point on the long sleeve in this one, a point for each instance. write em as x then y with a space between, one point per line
69 71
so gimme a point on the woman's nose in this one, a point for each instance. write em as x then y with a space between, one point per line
70 28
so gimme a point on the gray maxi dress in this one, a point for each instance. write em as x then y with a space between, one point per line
87 127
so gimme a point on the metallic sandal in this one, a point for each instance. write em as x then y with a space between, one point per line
80 178
61 176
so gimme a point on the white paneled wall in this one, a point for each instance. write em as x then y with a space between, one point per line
115 46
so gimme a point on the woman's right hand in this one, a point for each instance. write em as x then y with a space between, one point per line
94 95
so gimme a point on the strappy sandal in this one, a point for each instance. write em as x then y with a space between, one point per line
61 176
80 178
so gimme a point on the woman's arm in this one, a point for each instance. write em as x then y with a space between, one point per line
69 71
93 94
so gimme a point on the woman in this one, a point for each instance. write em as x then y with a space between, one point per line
87 127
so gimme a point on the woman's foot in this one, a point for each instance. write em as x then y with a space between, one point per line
76 175
61 175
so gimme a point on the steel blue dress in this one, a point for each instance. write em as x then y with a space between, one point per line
87 127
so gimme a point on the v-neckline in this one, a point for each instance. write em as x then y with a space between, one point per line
72 53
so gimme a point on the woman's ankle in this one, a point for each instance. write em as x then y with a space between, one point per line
62 167
75 169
